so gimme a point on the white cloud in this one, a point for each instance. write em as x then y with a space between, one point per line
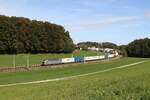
94 3
106 23
131 25
86 27
121 19
147 15
80 10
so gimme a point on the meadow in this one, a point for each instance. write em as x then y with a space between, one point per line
49 73
131 83
36 59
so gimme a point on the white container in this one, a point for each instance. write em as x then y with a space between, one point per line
67 60
110 56
102 57
91 58
116 53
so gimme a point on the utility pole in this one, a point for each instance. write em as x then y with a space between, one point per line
14 60
28 60
102 45
84 58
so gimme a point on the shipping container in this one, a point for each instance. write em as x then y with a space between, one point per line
79 59
91 58
106 57
102 57
67 60
116 53
111 56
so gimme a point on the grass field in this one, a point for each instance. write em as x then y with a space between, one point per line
36 59
131 83
62 72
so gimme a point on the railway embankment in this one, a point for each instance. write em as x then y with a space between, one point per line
36 67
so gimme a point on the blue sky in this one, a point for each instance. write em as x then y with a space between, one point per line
118 21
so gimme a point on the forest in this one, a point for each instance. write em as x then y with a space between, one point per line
85 45
139 48
22 35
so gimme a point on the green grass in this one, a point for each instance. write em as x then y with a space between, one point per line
44 74
36 59
132 83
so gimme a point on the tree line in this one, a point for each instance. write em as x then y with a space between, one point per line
139 48
22 35
136 48
85 45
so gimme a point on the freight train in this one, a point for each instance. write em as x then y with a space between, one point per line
77 59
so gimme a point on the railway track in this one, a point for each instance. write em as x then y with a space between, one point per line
36 67
71 77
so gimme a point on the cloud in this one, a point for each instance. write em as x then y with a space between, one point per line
86 27
131 25
95 3
147 15
80 10
121 19
106 23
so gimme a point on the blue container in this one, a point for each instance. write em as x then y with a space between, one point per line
106 57
79 59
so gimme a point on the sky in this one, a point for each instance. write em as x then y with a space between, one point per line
117 21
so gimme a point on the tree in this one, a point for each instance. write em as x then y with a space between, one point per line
139 48
122 50
85 45
22 35
109 45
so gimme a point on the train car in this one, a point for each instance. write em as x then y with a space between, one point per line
111 55
92 58
106 57
116 53
79 59
75 60
51 62
67 60
102 57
